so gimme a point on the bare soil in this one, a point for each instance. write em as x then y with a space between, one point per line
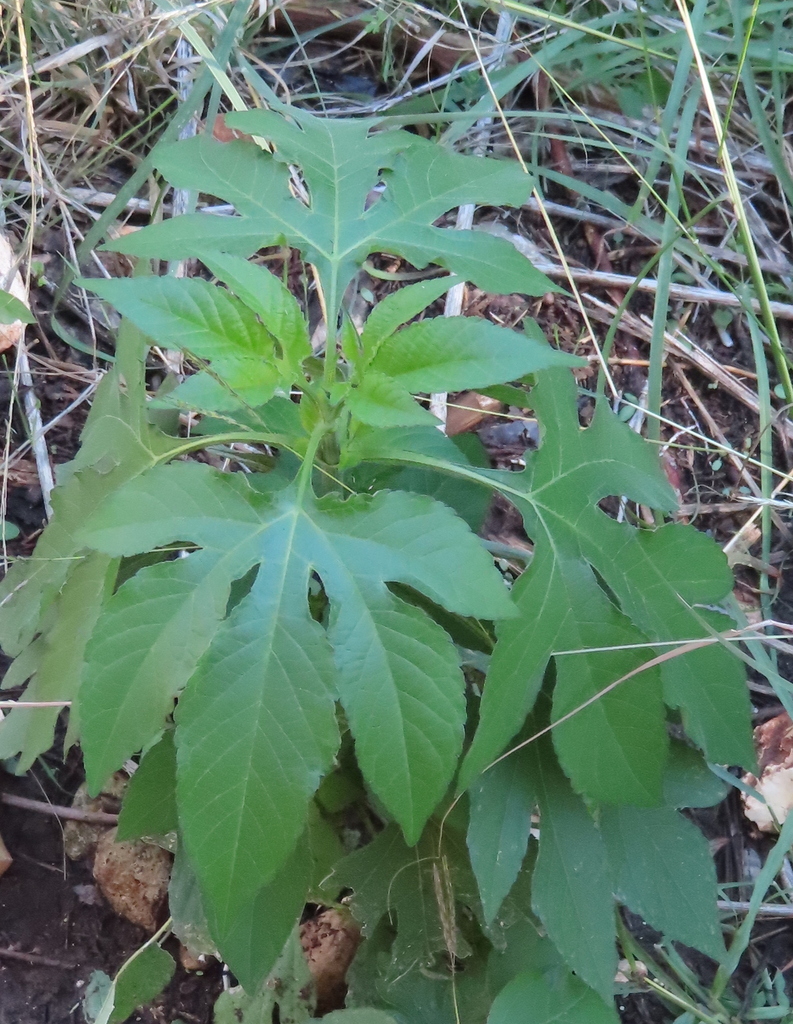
56 929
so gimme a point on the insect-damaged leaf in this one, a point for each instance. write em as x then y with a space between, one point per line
256 726
414 888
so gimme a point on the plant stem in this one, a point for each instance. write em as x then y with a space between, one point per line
664 993
304 476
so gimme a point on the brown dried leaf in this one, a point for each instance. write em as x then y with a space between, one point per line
468 410
774 743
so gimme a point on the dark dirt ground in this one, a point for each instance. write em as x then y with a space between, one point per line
56 928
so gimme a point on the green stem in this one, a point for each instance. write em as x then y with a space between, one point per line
332 304
683 1004
304 476
194 444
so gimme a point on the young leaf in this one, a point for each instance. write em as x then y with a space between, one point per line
268 297
664 871
571 885
455 353
203 320
381 402
399 307
149 807
256 728
340 162
501 802
534 998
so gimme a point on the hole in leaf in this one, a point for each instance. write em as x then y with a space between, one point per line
241 588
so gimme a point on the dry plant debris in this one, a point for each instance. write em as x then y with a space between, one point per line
774 742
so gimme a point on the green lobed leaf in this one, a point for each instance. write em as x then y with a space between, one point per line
340 163
59 655
116 444
663 576
663 871
251 752
397 666
286 996
563 606
455 353
253 941
688 781
533 998
149 807
145 647
256 727
501 802
571 885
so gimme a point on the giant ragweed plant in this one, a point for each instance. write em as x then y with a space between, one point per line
283 643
